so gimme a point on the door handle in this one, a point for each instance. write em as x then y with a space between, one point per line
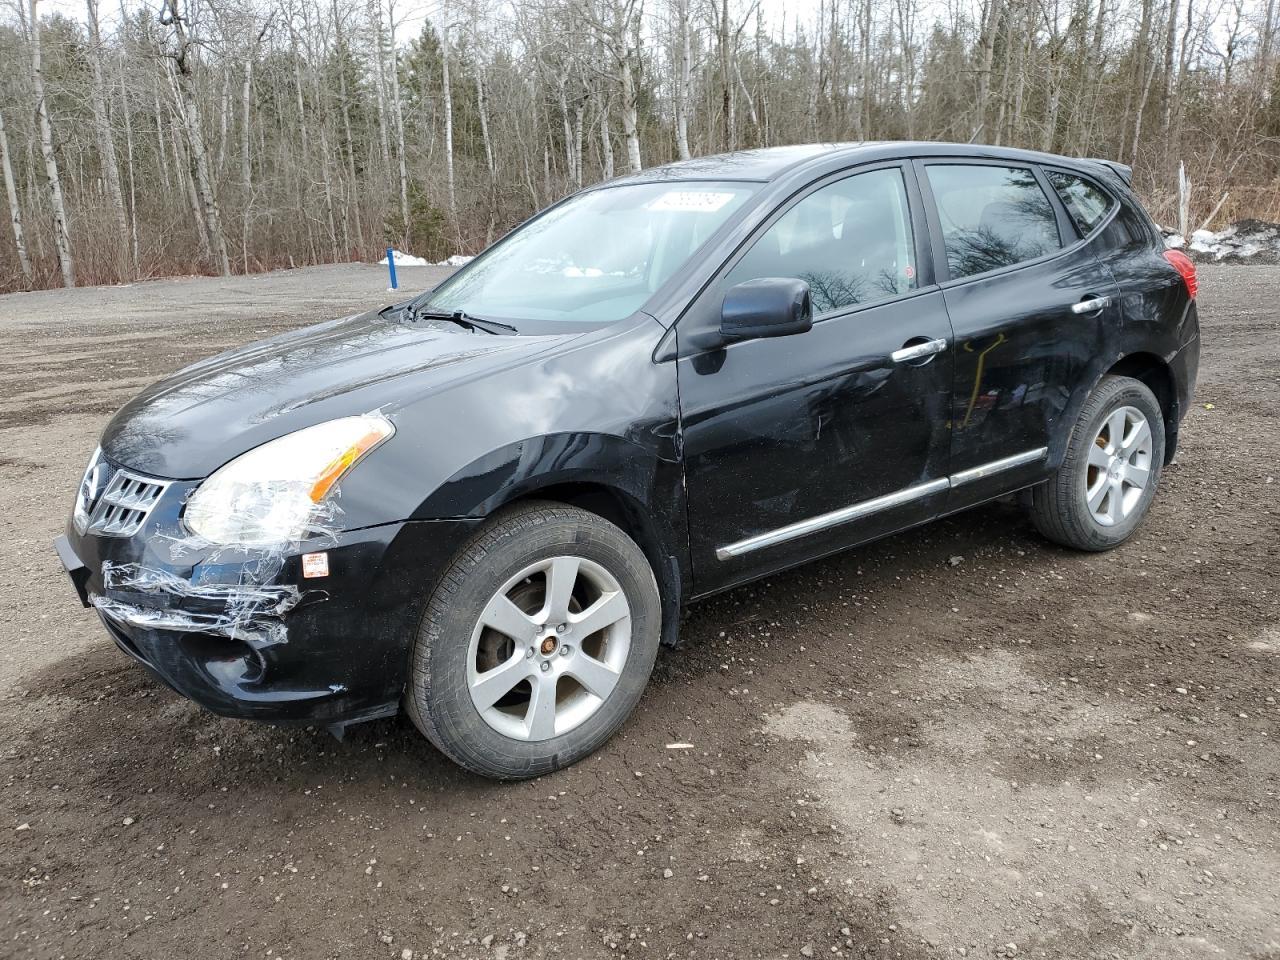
918 350
1090 305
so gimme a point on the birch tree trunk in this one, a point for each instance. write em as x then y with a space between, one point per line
61 234
1057 52
181 75
1141 108
327 181
1264 46
579 110
183 166
682 81
448 126
1170 44
726 82
224 120
15 208
986 57
349 148
1183 62
246 162
106 145
380 90
1142 48
751 104
482 107
630 115
606 144
397 116
163 148
619 35
130 166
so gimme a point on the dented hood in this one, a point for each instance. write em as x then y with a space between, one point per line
186 426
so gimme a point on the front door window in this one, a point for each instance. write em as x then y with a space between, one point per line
850 241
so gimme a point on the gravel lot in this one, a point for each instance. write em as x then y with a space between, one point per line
959 741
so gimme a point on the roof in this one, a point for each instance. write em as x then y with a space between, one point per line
769 163
763 163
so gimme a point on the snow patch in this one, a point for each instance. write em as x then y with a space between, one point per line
404 260
409 260
1248 241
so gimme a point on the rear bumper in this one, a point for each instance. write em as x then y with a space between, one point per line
1185 368
1186 372
248 636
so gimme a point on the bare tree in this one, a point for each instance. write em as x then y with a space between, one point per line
681 83
181 63
615 23
61 233
106 144
397 111
15 208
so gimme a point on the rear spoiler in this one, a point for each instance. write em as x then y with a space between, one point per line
1122 170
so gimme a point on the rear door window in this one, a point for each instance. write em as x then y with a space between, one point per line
991 216
1086 202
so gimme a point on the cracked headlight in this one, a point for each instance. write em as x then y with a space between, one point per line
279 492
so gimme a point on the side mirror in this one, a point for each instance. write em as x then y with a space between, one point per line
767 307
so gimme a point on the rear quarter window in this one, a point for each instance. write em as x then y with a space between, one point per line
1087 203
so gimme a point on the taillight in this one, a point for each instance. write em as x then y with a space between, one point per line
1186 269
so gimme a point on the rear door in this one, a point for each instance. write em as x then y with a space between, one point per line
800 445
1029 303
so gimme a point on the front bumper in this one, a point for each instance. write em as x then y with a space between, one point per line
242 633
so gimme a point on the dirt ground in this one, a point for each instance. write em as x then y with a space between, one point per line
959 741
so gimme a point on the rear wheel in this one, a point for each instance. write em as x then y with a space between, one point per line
536 644
1108 478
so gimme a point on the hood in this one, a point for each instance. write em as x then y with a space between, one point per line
186 426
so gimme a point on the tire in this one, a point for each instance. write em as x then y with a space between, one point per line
595 677
1062 509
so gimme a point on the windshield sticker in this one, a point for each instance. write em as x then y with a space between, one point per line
691 201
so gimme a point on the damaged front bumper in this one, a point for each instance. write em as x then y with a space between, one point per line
243 633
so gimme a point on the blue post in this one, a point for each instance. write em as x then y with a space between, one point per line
391 267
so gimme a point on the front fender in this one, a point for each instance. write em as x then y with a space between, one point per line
599 417
520 469
638 488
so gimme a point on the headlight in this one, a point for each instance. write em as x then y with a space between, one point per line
277 493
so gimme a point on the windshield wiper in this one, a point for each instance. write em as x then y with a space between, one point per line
463 318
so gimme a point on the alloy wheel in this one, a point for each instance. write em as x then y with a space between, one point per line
549 647
1119 466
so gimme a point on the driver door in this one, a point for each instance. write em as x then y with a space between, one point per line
802 445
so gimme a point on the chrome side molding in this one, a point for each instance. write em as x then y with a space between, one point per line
866 508
996 466
832 519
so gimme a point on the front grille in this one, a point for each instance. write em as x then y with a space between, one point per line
114 502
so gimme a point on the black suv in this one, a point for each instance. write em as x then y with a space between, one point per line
487 505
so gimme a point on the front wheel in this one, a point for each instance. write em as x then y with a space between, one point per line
1108 478
536 644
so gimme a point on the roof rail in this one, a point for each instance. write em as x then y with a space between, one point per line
1122 170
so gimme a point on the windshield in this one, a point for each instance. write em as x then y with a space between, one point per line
597 257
